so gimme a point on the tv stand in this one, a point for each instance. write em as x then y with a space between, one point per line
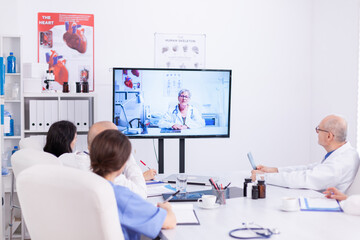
181 155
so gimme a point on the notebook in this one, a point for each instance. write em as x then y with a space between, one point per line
185 214
192 179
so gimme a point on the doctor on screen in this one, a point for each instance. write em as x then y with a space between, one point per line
183 115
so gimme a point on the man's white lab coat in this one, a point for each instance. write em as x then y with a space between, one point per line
338 170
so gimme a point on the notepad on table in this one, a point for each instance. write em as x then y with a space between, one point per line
319 204
156 190
185 214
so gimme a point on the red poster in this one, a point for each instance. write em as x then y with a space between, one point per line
66 44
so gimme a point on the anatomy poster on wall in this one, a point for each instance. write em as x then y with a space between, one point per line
179 50
66 44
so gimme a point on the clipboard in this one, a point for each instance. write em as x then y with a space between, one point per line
320 204
251 160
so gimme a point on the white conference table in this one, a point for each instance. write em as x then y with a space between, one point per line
217 223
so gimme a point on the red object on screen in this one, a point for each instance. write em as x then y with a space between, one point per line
128 82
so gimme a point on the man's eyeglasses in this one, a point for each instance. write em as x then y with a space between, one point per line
184 96
317 129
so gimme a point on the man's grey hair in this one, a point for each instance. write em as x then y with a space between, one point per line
184 90
338 126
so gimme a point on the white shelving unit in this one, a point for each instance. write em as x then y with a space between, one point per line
14 105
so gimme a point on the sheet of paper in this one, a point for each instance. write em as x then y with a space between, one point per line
322 203
185 214
155 190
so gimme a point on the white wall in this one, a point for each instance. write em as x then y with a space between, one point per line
335 53
293 62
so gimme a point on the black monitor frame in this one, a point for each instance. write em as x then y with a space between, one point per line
175 136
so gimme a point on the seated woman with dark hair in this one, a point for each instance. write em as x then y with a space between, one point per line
109 152
61 138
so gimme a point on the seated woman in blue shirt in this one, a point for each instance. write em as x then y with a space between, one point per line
184 115
109 152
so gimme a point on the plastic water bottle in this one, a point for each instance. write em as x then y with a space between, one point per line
14 150
8 124
5 163
11 63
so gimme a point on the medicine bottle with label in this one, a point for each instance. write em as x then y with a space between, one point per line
262 189
247 180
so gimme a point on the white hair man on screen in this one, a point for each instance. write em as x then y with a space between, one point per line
337 169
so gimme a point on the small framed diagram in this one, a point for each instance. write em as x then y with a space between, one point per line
180 50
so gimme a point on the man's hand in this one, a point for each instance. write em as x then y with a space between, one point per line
149 174
334 193
267 169
253 174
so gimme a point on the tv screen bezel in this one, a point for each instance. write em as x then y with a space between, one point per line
139 136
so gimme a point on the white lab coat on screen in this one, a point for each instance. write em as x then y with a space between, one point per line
131 178
173 116
338 170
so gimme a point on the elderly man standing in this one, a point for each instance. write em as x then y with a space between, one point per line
337 169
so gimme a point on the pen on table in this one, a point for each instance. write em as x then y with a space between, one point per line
227 186
212 183
172 195
145 164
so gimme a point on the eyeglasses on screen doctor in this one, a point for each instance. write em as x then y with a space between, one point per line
184 96
317 129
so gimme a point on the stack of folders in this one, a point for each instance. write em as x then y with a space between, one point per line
319 204
43 113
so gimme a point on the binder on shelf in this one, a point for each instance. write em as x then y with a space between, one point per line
40 115
85 115
63 110
47 114
54 111
71 111
77 114
32 115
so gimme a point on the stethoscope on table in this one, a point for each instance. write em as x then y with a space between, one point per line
260 232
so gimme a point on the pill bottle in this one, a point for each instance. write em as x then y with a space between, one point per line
247 180
262 189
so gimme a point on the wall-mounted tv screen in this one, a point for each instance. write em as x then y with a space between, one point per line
172 103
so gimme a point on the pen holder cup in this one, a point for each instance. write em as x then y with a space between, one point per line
221 195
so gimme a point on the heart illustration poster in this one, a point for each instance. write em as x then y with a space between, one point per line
66 44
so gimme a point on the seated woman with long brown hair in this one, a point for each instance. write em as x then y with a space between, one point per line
109 152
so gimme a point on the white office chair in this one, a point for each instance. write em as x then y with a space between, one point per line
355 186
65 203
21 160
